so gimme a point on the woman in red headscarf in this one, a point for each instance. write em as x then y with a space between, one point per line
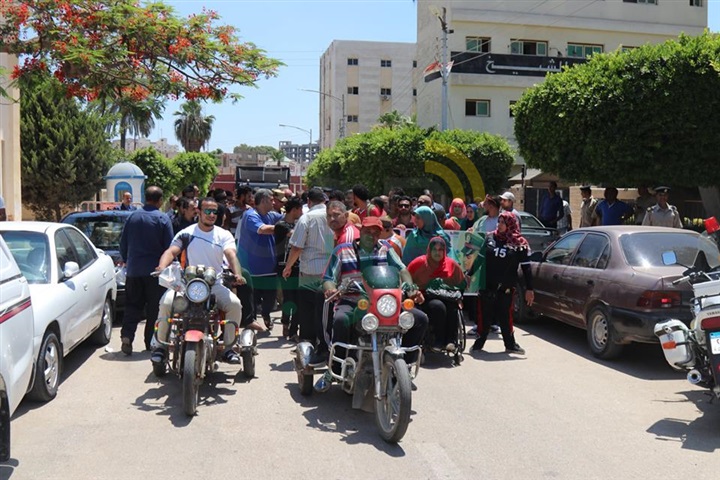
505 249
437 272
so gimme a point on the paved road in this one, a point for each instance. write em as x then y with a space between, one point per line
557 413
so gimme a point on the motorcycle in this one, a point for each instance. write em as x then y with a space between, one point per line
196 323
374 370
696 349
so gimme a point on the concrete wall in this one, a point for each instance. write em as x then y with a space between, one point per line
10 173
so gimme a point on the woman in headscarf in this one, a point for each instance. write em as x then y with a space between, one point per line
458 211
439 272
426 227
472 216
505 249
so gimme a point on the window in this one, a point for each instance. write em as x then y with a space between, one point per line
386 63
581 50
353 90
696 3
414 92
593 252
561 253
85 252
511 108
414 63
386 91
477 44
352 61
477 108
654 2
528 47
352 118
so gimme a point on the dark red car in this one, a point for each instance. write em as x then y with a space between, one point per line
611 281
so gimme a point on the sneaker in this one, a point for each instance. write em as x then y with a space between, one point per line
515 349
323 385
473 331
478 345
318 359
158 355
495 329
450 347
232 357
126 346
268 322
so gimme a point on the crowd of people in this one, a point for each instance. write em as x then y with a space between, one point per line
289 252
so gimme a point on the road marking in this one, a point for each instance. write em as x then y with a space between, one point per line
439 461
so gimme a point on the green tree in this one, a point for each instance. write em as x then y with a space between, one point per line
387 157
646 116
192 128
259 149
394 120
65 150
160 171
198 168
136 117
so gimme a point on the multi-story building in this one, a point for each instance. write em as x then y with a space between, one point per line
500 48
299 152
359 82
10 144
162 146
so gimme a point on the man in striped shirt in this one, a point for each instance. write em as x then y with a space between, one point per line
339 222
346 262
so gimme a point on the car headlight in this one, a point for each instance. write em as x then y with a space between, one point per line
198 291
180 304
370 323
387 305
406 320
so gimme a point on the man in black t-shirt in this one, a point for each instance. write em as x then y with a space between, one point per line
289 286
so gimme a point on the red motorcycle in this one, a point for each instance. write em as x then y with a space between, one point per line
374 370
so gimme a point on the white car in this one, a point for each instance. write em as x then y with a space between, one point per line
16 343
73 291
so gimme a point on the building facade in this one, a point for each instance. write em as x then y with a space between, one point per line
359 82
162 146
299 152
10 144
500 48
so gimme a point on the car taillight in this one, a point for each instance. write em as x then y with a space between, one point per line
659 299
710 323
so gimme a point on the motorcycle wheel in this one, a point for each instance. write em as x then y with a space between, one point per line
392 411
248 360
191 383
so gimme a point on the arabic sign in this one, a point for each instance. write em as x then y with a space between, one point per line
519 65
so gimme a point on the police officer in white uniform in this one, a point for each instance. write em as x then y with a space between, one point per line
662 214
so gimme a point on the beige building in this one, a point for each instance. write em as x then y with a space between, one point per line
500 48
359 82
10 144
132 144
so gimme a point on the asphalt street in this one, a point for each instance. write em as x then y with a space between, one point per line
556 413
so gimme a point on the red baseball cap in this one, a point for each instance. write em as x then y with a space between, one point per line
369 222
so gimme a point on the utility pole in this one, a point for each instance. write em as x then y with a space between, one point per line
444 71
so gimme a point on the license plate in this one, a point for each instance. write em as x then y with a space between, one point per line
715 343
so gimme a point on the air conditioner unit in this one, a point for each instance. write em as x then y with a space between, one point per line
384 97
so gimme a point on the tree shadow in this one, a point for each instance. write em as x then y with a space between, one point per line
332 412
640 360
698 434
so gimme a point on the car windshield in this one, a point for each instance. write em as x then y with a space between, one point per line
103 231
30 250
645 249
381 276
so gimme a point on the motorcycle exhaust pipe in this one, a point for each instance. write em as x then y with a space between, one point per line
694 377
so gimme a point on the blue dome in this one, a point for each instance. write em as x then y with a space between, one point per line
125 170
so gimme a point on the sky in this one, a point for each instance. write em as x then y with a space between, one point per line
297 32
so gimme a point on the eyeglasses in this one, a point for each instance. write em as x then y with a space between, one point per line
210 211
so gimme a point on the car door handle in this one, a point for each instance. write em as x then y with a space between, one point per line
105 274
85 286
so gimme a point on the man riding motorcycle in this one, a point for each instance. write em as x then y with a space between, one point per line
205 245
347 262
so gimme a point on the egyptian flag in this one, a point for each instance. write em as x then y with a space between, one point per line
434 71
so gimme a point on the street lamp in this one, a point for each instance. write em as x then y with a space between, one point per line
306 131
340 99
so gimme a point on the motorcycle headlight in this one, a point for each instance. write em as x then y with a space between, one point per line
180 304
406 320
210 276
370 323
387 305
197 291
190 272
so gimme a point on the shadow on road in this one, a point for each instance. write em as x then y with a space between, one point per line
639 360
699 434
332 412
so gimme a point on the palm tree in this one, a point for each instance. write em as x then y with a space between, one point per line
192 128
131 116
393 120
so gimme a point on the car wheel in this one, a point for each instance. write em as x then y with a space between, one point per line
601 335
102 335
47 369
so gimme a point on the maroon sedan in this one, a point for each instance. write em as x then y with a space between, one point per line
611 281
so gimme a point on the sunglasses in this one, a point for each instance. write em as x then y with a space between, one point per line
210 211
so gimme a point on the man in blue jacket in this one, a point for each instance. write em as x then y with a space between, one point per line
146 235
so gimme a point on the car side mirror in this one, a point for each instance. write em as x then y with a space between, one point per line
71 269
536 257
669 258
